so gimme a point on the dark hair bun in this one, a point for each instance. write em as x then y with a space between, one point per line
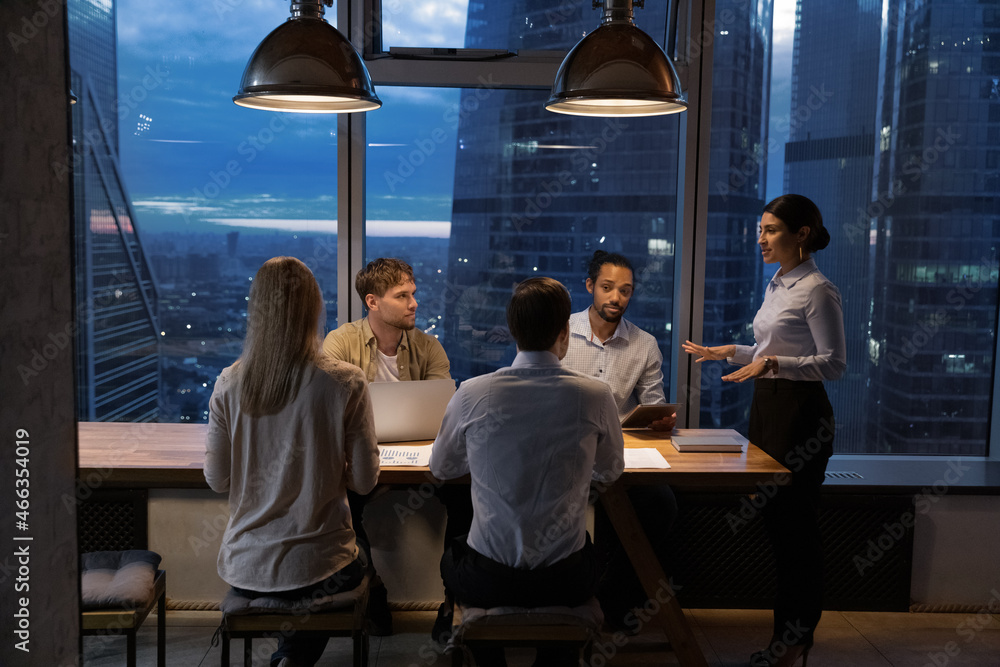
818 238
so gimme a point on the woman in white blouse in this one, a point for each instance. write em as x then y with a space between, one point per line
289 431
799 333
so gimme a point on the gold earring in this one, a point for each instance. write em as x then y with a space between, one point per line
800 253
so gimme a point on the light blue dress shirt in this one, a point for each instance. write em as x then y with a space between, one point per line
532 436
629 362
802 324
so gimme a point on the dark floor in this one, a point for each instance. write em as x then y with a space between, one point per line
728 637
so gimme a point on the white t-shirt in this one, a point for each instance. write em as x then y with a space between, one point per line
386 368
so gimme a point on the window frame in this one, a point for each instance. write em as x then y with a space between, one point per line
536 70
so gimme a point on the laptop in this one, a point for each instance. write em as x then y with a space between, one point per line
409 410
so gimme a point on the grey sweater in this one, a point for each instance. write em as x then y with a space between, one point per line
287 476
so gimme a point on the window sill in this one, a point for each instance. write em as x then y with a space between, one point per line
914 474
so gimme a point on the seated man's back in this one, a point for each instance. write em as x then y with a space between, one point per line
532 436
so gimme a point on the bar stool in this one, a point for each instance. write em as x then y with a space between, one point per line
342 614
118 590
550 627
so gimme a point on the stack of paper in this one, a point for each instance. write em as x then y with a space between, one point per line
707 440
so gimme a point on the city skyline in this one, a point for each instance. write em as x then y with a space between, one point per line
471 198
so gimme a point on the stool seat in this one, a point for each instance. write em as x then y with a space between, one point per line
119 589
569 627
343 614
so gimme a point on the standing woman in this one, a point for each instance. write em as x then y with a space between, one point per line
290 430
799 333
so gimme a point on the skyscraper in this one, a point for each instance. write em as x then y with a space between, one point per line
829 158
935 211
117 337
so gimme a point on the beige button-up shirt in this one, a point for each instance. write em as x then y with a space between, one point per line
418 357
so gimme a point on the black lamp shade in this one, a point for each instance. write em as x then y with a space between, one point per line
306 65
616 70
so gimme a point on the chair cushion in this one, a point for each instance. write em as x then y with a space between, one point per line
587 615
234 603
117 578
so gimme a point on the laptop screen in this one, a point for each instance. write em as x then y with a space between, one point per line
409 410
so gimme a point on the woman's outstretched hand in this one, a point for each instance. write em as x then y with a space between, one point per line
716 353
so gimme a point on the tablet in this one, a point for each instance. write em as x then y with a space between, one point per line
642 416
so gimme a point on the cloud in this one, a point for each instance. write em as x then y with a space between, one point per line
215 30
287 224
783 23
229 30
419 228
432 23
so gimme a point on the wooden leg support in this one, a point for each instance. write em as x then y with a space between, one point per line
654 582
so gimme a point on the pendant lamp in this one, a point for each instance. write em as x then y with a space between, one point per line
307 65
616 70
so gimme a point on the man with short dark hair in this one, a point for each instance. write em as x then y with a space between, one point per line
606 346
388 348
532 437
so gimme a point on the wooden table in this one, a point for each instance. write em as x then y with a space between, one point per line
172 455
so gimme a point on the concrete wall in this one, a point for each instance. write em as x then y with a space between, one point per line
36 353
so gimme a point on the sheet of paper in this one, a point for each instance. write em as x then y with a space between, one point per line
644 458
404 455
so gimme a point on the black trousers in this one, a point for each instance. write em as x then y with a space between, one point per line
477 580
480 581
793 422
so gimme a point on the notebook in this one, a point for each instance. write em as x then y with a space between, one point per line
409 410
707 440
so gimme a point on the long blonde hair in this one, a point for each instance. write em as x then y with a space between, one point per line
283 335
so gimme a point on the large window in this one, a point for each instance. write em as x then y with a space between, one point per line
181 196
887 114
523 192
